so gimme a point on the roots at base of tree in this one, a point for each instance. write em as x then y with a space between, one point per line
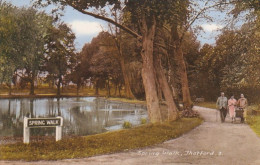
189 113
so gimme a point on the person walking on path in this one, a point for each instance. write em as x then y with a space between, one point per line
242 103
222 106
232 107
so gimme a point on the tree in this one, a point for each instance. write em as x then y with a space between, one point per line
23 42
8 33
205 81
119 37
31 40
147 15
80 72
60 53
99 56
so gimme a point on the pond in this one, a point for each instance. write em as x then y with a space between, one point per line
82 115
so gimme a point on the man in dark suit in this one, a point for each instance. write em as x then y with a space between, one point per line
222 106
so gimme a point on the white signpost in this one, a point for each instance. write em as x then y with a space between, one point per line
41 122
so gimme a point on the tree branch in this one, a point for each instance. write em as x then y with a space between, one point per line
199 13
128 30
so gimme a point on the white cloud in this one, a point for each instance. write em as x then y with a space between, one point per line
85 28
211 27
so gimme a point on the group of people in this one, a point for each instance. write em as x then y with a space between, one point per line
224 105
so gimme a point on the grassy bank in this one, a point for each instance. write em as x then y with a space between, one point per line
110 142
254 123
134 101
252 120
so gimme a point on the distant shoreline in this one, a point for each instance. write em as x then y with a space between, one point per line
43 96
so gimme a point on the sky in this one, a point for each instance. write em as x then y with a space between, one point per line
86 27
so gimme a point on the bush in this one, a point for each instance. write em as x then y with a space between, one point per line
143 121
127 125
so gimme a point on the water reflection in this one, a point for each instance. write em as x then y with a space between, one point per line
82 116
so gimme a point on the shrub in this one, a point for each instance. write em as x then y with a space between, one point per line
127 125
143 121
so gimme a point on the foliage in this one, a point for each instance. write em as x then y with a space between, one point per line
60 54
100 61
245 5
253 120
232 65
29 41
8 32
146 14
168 12
127 125
143 121
142 136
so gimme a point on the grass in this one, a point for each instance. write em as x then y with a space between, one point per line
207 104
110 142
133 101
252 120
254 123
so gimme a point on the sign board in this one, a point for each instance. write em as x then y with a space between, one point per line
41 122
44 122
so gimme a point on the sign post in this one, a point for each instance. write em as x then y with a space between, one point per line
26 131
42 122
59 130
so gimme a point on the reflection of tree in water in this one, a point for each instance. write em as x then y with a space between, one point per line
51 113
53 109
31 108
58 105
11 122
7 119
85 122
12 113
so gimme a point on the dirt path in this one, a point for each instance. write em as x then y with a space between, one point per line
212 143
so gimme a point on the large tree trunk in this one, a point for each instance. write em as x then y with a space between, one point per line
128 92
178 53
159 89
186 98
170 76
148 75
167 92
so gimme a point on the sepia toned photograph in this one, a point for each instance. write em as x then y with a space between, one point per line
129 82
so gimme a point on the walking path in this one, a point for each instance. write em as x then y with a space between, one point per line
212 143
